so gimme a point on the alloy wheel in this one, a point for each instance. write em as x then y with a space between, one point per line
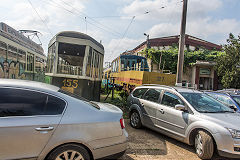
134 119
198 144
70 155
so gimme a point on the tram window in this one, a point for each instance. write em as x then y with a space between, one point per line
12 53
88 69
3 45
72 54
122 64
30 62
21 56
3 53
39 64
17 102
51 57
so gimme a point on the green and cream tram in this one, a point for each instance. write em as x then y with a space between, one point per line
75 63
20 57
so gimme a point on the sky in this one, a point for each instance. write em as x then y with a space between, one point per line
120 24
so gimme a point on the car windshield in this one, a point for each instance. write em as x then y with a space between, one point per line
237 99
79 97
204 103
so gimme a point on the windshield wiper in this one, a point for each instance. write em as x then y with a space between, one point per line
207 111
225 111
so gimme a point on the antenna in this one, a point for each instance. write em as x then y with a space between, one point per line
31 34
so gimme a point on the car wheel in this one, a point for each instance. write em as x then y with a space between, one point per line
204 145
69 152
135 120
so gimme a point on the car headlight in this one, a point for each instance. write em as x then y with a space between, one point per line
235 133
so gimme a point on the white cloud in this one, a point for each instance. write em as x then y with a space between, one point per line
203 28
164 29
172 9
117 46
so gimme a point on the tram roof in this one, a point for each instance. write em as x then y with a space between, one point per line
79 35
132 57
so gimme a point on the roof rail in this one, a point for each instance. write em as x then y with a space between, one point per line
160 86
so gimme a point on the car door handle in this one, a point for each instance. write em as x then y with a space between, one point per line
44 128
161 110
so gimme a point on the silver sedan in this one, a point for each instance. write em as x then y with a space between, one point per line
41 121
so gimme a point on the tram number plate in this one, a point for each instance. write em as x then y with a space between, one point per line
70 83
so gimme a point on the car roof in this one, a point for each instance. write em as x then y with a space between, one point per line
226 92
27 84
178 89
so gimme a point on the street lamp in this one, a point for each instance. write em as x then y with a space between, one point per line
148 46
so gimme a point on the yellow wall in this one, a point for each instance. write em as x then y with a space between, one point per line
159 78
138 78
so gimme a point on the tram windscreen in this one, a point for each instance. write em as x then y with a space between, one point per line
70 58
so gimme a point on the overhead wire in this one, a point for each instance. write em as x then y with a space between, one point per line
40 17
123 36
146 12
83 18
80 12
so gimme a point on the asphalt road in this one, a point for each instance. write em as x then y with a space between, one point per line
145 144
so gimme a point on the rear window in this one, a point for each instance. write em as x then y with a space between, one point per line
139 92
79 98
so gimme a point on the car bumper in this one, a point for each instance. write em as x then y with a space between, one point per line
227 146
115 146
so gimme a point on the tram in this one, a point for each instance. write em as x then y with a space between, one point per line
20 57
106 76
75 64
129 71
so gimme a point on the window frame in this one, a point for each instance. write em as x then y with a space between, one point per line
159 98
142 94
38 91
160 102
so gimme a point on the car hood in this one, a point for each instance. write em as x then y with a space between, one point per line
229 120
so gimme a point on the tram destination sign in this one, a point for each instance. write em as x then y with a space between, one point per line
6 28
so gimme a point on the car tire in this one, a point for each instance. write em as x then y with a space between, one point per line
69 151
204 145
135 120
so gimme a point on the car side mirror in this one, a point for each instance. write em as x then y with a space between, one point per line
180 107
233 108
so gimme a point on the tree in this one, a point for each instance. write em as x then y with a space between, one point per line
169 57
228 63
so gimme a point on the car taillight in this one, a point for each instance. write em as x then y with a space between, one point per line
122 123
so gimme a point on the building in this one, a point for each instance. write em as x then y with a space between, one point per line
200 75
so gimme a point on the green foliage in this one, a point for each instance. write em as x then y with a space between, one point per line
170 57
228 62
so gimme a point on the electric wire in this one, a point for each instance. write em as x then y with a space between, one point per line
83 18
40 17
124 34
80 12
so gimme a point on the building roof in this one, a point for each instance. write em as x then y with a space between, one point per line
170 40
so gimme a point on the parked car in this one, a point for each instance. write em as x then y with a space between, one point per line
189 116
41 121
229 97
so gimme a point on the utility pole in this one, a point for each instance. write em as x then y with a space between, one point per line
181 45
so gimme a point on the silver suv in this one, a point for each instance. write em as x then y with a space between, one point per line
189 116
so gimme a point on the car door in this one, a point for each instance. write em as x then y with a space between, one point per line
27 121
168 118
149 104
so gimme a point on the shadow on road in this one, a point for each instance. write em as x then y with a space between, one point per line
145 141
